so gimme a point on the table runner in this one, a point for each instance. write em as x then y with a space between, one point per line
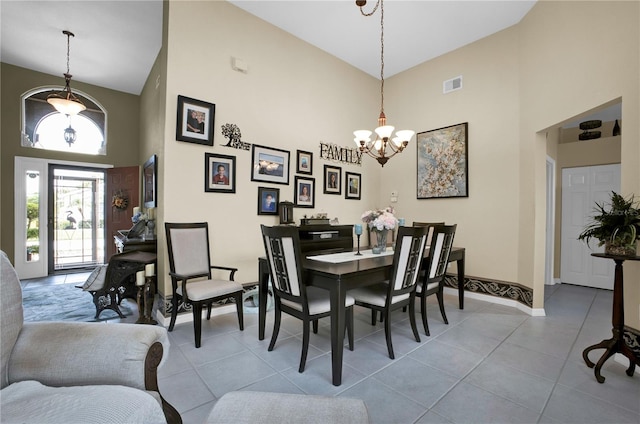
336 258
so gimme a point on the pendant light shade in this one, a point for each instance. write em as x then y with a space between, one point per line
65 101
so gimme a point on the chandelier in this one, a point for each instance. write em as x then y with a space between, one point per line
383 147
65 101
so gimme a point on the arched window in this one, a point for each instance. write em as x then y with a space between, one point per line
45 128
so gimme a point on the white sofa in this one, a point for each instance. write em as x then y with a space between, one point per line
72 372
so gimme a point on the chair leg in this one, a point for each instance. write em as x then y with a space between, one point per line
412 319
387 333
276 325
240 310
174 311
315 326
197 322
305 345
209 307
350 326
374 317
440 297
423 311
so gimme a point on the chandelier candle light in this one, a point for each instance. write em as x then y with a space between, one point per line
65 101
377 148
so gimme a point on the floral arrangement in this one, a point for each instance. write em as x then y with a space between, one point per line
380 219
119 200
139 217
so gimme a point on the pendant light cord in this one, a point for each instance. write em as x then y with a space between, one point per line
381 4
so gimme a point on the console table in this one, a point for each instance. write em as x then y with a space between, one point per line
616 343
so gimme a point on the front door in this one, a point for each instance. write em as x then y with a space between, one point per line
125 183
581 188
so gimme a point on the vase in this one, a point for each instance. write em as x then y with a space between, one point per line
381 241
615 250
616 129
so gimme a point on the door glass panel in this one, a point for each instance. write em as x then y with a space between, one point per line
32 249
78 218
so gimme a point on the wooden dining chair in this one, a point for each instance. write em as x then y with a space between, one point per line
434 270
291 293
399 290
189 259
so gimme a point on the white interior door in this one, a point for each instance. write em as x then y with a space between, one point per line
581 188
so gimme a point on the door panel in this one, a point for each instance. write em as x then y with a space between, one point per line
125 180
581 188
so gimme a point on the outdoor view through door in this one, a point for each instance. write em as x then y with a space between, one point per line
76 217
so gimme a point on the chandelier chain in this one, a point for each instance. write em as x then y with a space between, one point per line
381 55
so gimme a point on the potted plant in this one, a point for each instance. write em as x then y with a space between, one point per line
616 225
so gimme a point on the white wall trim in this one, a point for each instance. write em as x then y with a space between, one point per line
534 312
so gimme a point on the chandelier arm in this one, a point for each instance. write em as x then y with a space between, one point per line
370 13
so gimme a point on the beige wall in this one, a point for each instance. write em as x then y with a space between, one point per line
123 111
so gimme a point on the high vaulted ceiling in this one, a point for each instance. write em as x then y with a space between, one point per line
116 42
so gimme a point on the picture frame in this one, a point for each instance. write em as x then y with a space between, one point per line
268 198
332 179
219 173
195 121
304 162
304 193
443 162
270 165
150 182
352 185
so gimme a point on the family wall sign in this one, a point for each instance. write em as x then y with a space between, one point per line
341 154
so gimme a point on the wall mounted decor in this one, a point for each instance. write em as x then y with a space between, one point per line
332 179
150 182
219 173
233 134
352 185
195 121
304 162
269 164
443 168
268 199
340 154
304 192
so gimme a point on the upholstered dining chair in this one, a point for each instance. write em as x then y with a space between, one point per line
399 290
434 270
291 293
189 259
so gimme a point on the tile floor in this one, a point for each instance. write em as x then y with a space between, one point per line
491 364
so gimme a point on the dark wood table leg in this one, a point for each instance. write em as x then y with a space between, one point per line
460 263
616 343
338 295
263 292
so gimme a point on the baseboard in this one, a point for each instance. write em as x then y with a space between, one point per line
534 312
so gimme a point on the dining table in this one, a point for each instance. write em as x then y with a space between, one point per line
339 273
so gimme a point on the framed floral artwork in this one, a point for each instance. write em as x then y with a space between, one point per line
352 185
269 165
195 121
305 192
304 162
443 165
219 173
332 179
268 199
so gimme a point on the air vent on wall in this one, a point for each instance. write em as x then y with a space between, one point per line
452 84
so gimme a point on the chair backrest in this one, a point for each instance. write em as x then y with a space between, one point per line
188 246
10 314
439 251
407 260
430 226
282 247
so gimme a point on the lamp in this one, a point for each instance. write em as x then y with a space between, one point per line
65 101
383 147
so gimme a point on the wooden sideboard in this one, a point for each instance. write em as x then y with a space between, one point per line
125 244
322 237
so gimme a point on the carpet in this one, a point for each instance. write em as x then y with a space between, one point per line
64 302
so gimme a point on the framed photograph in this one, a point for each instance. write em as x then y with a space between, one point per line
149 182
304 162
219 173
443 165
195 121
305 192
332 182
269 165
352 185
268 199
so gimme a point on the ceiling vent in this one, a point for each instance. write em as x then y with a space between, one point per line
452 85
